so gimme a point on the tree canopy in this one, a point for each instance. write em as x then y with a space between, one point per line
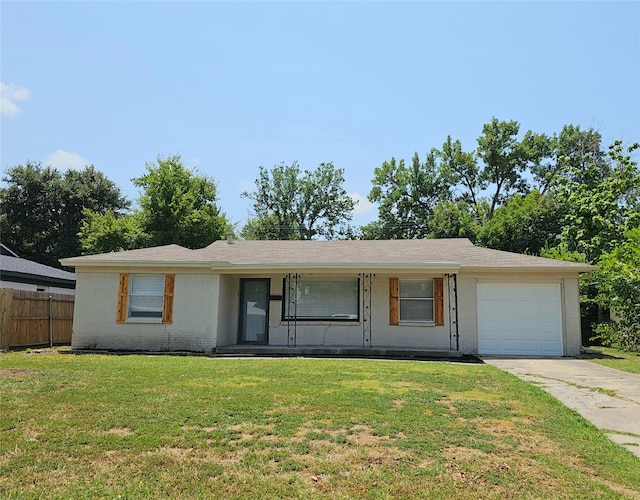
619 288
42 209
177 206
293 204
516 192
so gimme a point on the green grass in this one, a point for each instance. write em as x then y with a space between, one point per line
613 358
86 426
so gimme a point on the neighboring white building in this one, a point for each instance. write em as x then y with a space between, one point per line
23 274
439 296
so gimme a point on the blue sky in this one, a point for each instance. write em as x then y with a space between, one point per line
232 86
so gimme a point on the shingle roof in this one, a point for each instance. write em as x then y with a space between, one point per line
437 253
162 254
18 265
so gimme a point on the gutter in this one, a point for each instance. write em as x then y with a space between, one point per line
137 263
583 268
34 279
437 266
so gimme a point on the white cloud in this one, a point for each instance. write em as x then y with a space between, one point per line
63 160
363 205
9 94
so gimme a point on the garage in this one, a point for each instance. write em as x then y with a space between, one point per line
520 319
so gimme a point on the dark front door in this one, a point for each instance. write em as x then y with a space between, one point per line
254 311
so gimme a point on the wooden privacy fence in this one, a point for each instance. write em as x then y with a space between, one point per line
34 318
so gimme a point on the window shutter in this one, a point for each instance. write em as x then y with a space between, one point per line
123 294
394 293
167 310
438 301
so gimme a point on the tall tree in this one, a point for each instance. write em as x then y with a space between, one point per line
109 232
454 219
462 169
525 224
466 185
602 210
566 157
619 288
177 206
42 209
407 195
291 204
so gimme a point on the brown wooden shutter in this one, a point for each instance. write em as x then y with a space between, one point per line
438 301
123 295
167 310
394 309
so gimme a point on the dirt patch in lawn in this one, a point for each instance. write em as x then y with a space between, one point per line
11 373
120 431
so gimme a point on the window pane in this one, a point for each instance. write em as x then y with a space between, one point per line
148 284
145 306
416 310
146 297
420 289
325 298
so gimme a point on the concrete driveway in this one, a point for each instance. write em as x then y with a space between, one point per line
608 398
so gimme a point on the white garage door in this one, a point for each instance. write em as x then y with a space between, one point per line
522 319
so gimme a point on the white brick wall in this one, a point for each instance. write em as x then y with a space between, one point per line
228 302
194 324
206 315
467 314
571 313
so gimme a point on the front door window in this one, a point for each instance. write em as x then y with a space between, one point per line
254 311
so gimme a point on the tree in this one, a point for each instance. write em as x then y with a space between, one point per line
267 228
42 209
290 204
602 210
177 206
525 224
505 159
619 289
108 232
407 196
463 171
567 157
468 186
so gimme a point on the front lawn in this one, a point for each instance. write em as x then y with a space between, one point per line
194 427
613 358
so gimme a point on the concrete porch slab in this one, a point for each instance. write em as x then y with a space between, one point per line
336 351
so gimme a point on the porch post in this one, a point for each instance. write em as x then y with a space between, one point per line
452 286
292 309
367 283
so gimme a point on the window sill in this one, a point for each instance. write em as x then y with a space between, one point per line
417 323
153 321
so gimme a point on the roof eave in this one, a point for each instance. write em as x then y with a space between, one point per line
297 266
549 269
140 263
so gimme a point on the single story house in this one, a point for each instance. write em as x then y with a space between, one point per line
23 274
440 295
